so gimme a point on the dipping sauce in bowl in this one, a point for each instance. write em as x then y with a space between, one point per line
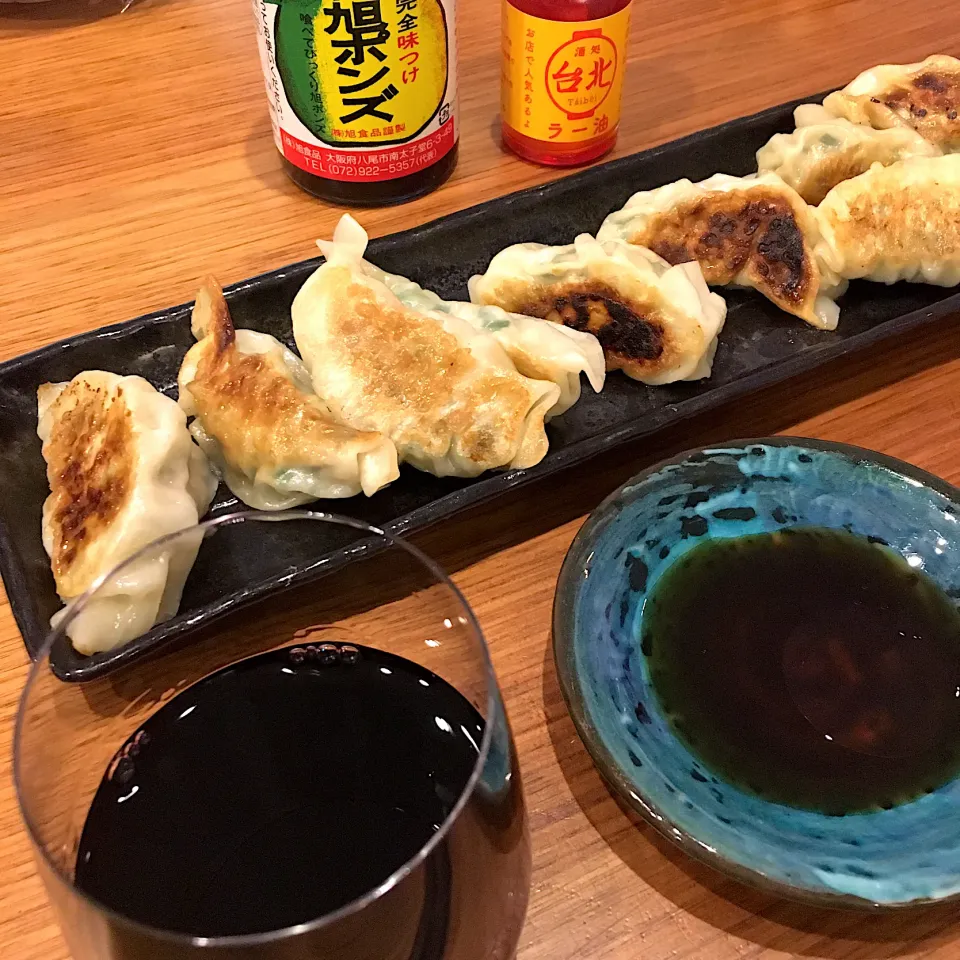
759 645
809 666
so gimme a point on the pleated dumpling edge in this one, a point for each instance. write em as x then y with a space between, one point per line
656 322
825 150
445 393
257 418
538 350
923 96
753 231
123 471
896 222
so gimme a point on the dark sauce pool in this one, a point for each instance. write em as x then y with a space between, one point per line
809 666
279 789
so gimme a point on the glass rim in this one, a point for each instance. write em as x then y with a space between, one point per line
365 899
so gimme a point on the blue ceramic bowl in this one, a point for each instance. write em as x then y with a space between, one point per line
891 858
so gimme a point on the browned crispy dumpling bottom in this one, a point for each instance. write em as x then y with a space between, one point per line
633 336
729 233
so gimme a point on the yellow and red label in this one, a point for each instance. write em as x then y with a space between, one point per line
360 90
562 80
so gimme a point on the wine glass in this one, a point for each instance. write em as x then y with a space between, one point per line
329 774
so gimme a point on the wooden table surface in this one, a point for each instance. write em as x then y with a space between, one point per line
135 156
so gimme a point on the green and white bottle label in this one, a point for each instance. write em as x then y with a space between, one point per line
360 91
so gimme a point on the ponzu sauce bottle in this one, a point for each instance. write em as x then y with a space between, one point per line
562 78
363 95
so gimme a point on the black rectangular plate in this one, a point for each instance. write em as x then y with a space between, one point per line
759 346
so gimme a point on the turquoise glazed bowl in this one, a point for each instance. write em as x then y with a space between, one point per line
889 858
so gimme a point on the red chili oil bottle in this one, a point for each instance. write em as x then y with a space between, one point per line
363 95
562 79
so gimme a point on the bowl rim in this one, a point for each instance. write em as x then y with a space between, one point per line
609 768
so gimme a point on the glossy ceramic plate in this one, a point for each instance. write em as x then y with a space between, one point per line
889 858
759 346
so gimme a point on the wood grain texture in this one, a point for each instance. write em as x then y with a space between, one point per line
135 156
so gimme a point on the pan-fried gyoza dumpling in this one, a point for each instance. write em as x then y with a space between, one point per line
825 150
258 419
746 231
446 394
541 351
900 222
656 322
122 471
922 96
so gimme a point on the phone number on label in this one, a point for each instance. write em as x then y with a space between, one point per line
378 170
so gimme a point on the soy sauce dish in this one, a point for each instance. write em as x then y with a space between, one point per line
760 647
